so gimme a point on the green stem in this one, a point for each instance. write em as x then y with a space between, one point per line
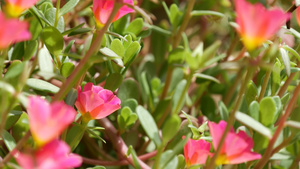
84 64
232 89
3 56
265 82
182 96
158 156
18 147
57 13
267 154
231 118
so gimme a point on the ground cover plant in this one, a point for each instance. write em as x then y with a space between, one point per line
149 84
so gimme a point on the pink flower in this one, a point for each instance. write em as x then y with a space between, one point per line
196 152
15 7
48 121
12 30
94 102
103 8
55 154
237 146
256 23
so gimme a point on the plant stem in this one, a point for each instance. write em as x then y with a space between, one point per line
232 89
117 163
261 163
119 143
158 156
167 83
84 64
231 118
18 146
295 162
286 84
57 13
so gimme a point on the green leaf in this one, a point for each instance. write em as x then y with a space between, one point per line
108 52
66 69
176 150
97 167
172 163
72 29
50 16
121 24
30 49
292 51
251 93
223 111
18 51
176 97
134 157
294 124
45 60
79 31
68 7
53 40
113 81
131 103
75 135
21 127
126 118
41 85
129 89
286 60
254 110
135 26
15 70
276 77
206 12
117 46
175 16
267 109
148 124
177 56
210 52
170 128
207 77
71 97
255 125
131 51
12 117
9 141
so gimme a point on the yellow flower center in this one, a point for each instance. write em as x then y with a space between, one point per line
222 159
12 10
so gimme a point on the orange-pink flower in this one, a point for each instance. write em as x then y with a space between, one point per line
94 102
236 148
196 152
14 8
256 23
298 15
48 121
12 30
103 8
54 155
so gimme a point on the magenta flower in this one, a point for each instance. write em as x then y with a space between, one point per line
48 121
103 8
12 30
237 146
196 152
256 23
15 7
55 154
94 102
